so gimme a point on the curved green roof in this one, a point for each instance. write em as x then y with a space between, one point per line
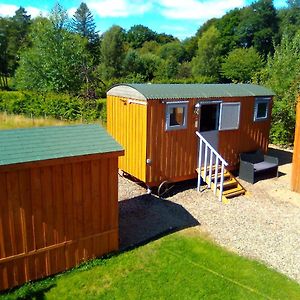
185 91
42 143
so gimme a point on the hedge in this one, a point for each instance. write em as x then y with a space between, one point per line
59 106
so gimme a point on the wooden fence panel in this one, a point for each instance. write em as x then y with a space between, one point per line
55 217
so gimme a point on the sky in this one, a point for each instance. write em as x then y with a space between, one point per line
180 18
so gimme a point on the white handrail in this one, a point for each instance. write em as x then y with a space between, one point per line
218 158
212 148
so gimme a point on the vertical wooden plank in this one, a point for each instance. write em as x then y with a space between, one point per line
113 192
96 196
47 204
15 212
26 206
104 193
87 198
58 256
36 194
68 201
26 212
58 204
5 240
78 199
296 155
68 220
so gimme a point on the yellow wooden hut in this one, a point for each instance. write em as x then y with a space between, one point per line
157 124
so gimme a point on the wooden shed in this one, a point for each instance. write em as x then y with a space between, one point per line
157 124
296 155
58 199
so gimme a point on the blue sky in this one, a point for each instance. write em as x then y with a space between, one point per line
180 18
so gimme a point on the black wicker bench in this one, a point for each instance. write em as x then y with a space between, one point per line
255 165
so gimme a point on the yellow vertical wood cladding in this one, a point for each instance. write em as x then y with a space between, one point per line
249 137
53 217
127 123
173 153
296 155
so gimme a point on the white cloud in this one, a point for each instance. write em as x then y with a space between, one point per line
119 8
197 10
7 10
34 12
71 11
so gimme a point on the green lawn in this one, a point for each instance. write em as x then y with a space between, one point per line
178 266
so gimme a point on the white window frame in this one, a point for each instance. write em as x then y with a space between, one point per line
259 100
221 115
169 107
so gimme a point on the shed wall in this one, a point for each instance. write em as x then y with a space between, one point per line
296 155
127 123
53 217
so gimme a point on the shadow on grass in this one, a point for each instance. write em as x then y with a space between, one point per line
284 157
34 290
147 217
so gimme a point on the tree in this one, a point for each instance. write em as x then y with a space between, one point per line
83 23
241 65
112 52
207 61
281 74
137 35
290 18
174 50
259 26
4 73
54 61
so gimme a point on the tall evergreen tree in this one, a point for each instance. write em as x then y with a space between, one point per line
83 23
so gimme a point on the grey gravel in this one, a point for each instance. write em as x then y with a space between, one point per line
264 224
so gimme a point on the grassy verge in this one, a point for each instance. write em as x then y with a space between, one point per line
178 266
19 121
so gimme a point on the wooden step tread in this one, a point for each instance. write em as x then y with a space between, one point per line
235 194
231 182
231 191
226 174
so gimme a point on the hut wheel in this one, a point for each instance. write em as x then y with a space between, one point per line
163 188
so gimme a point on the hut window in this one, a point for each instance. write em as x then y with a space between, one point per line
176 116
230 116
261 109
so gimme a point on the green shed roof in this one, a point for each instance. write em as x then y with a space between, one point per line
186 91
41 143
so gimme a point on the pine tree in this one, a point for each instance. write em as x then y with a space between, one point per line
83 23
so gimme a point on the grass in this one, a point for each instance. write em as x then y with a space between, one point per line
19 121
179 266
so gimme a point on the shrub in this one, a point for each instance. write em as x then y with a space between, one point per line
59 106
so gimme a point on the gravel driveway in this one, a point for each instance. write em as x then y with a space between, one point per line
264 224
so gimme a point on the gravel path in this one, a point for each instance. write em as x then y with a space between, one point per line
264 225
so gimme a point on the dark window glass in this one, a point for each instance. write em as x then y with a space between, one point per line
262 109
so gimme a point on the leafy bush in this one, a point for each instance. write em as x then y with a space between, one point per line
59 106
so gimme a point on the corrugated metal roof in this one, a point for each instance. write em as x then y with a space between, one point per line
179 91
36 144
